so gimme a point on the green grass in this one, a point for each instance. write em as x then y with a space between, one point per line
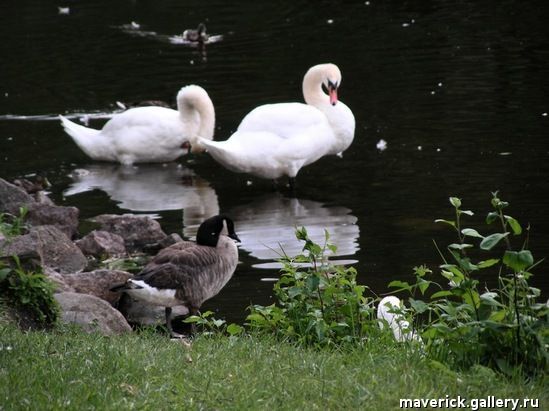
67 369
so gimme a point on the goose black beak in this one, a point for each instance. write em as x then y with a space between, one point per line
234 237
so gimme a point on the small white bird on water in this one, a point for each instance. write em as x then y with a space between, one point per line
276 140
188 273
149 134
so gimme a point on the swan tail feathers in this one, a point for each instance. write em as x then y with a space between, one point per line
86 138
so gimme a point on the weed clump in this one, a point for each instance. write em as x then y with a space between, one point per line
464 323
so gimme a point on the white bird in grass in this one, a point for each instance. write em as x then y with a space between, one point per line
389 309
276 140
188 273
149 134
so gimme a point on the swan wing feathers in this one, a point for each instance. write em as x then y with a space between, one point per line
155 121
283 119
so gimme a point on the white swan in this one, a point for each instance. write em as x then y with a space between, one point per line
388 310
149 134
276 140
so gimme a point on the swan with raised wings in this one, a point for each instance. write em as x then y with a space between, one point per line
276 140
149 134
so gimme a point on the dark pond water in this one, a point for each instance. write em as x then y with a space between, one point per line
458 90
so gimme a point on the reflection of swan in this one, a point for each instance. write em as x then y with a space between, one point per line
268 223
150 188
276 140
149 134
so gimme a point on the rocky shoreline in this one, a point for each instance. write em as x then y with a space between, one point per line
50 240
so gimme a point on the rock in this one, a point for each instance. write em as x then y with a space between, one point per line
42 198
58 280
102 244
12 198
141 313
64 218
137 231
97 283
32 187
43 212
53 247
91 313
165 242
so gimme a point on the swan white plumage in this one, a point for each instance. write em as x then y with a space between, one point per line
388 310
276 140
149 134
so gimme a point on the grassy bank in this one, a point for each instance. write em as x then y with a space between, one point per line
70 370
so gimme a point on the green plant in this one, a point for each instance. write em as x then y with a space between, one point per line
317 303
210 325
12 225
30 293
464 324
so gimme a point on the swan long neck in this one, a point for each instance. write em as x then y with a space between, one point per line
198 113
312 87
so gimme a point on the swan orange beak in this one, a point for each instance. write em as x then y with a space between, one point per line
332 92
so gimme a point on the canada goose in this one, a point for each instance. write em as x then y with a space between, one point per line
149 134
188 273
388 310
276 140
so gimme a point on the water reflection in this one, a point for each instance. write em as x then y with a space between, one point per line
150 187
266 226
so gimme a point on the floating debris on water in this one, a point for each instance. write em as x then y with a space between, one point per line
330 21
505 153
381 145
544 114
135 26
419 148
63 10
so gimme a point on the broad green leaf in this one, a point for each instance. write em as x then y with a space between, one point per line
490 242
312 282
488 263
423 286
418 305
234 329
491 217
518 260
399 284
470 232
456 202
472 298
440 294
440 220
515 226
498 316
454 269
